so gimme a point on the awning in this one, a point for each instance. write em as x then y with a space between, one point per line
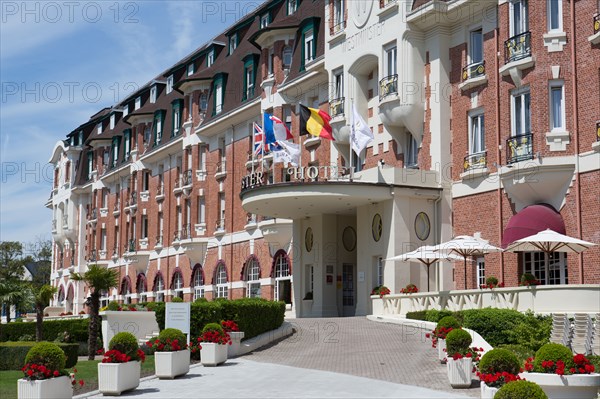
531 220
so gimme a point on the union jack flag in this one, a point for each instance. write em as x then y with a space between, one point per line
258 139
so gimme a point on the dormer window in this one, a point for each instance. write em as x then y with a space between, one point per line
112 121
264 21
232 42
99 128
210 58
292 6
153 94
169 84
138 103
190 69
287 57
309 46
125 110
80 138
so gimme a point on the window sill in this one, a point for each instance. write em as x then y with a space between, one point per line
474 173
473 82
144 196
596 146
336 37
558 140
312 142
555 41
514 69
389 8
595 38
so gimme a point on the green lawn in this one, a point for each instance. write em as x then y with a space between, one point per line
86 371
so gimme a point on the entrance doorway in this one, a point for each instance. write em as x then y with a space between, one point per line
348 290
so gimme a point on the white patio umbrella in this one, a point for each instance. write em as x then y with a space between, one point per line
550 241
466 246
427 255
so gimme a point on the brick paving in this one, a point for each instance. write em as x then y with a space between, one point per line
363 348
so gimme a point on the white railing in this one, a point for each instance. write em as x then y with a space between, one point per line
540 299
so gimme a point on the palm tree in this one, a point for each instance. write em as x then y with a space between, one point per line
15 293
97 279
42 297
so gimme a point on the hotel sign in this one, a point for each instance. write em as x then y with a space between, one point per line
301 174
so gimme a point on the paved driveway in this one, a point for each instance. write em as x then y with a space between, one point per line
363 348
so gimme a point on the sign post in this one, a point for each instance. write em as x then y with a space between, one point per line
178 316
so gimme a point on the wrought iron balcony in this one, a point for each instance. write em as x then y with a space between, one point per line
130 246
337 27
387 86
186 231
477 160
596 24
92 257
519 148
187 177
336 107
517 47
598 131
473 70
159 241
220 224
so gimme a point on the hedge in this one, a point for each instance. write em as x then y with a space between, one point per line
12 354
77 329
254 316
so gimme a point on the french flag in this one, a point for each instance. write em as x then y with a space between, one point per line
275 130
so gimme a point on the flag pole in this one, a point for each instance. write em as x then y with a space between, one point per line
351 139
298 111
253 148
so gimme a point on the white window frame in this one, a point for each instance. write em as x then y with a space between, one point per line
222 288
523 7
380 270
159 126
176 119
178 285
522 94
270 61
542 265
264 21
190 69
292 6
553 86
338 12
287 52
112 121
310 279
153 92
309 43
201 218
279 275
476 138
210 58
480 268
559 4
471 51
390 65
218 98
159 294
203 102
411 153
232 42
99 128
138 102
125 110
252 278
170 80
338 83
198 284
249 79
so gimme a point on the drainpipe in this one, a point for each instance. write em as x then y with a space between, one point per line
166 276
230 293
498 141
576 136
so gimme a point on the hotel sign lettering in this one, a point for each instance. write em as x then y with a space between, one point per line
252 180
301 174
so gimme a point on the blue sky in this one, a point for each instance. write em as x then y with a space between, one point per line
61 62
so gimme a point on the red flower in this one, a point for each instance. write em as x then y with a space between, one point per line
81 383
30 372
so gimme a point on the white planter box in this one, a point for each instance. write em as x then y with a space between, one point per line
488 392
236 341
114 378
213 354
55 388
171 364
460 372
441 346
577 386
139 323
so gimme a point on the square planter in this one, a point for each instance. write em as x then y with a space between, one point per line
576 386
441 346
213 354
236 342
114 378
171 364
52 388
460 372
488 392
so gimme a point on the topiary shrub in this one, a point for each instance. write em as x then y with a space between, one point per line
457 341
520 390
176 299
113 305
172 334
435 315
552 352
212 327
449 322
47 354
521 352
498 361
125 342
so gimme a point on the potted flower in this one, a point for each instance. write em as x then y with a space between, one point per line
214 342
529 280
409 289
460 358
121 366
521 390
496 368
562 375
171 354
44 374
380 290
236 336
438 336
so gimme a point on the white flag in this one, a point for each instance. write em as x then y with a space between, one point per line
361 134
290 152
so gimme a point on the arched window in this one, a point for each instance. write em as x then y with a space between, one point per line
198 282
221 281
159 288
126 289
252 277
283 278
61 296
177 283
141 288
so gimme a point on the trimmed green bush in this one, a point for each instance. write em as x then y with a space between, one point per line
47 354
498 361
437 315
213 327
552 352
125 342
418 315
172 334
458 341
448 322
176 299
201 300
520 390
77 329
113 305
12 354
521 352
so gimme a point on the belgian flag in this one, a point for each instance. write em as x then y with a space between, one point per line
315 122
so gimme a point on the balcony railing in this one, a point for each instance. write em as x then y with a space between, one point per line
220 169
186 231
117 206
517 47
92 256
385 3
159 241
337 27
387 86
473 70
336 107
130 246
220 224
132 200
187 177
598 131
596 24
519 148
475 161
